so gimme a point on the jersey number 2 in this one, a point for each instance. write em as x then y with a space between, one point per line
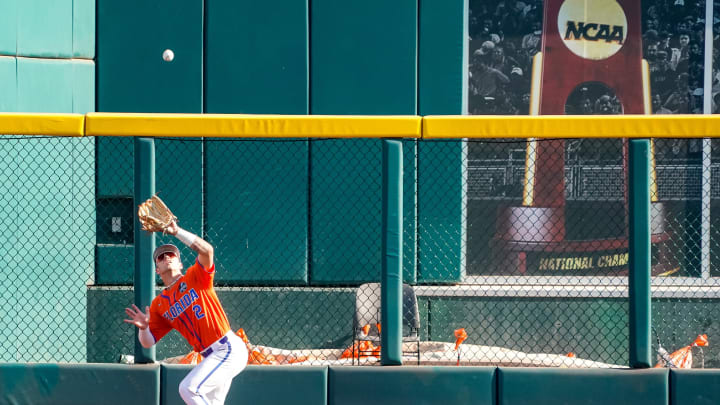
198 311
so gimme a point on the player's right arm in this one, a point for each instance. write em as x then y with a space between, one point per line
142 321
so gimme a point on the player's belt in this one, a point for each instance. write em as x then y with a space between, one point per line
209 350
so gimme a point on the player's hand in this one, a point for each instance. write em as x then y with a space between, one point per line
171 229
137 317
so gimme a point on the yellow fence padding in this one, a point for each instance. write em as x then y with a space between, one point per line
348 126
42 124
569 126
253 126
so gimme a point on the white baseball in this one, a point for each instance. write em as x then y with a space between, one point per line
168 55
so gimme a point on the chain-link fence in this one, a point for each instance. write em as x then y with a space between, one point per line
685 302
514 251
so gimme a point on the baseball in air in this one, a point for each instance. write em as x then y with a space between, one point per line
168 55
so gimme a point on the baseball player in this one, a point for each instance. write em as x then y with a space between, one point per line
188 304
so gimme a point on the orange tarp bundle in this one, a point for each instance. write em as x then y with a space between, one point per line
256 355
683 358
362 348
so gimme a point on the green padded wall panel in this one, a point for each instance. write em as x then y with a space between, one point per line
44 85
132 75
257 204
442 57
183 193
694 387
415 385
597 325
8 83
83 86
541 386
356 68
45 28
8 27
442 208
58 384
256 57
345 189
115 166
114 264
259 385
83 29
442 89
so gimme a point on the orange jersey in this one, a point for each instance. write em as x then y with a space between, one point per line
191 307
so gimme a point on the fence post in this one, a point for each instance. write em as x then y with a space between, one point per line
144 174
392 254
639 253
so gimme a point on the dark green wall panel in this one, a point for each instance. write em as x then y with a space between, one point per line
442 89
114 264
542 386
415 385
442 57
363 57
256 57
8 27
694 387
115 166
58 384
295 385
45 28
442 211
363 61
257 204
179 182
345 211
8 83
132 75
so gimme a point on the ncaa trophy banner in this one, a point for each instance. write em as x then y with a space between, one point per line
592 53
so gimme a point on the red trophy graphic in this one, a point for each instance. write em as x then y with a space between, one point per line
585 43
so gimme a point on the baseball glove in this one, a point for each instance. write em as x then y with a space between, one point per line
154 215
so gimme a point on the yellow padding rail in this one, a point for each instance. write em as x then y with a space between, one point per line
253 126
42 124
336 126
572 126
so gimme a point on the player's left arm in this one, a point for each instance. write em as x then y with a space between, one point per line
204 249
